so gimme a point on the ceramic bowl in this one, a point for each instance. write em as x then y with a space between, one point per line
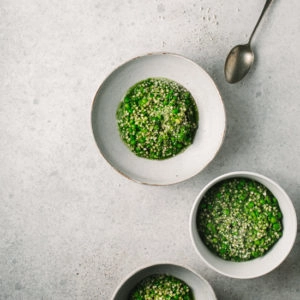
259 266
209 135
200 287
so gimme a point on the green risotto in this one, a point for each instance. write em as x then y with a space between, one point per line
239 219
157 118
161 287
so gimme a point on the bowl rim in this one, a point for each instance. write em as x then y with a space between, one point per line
258 177
162 263
128 61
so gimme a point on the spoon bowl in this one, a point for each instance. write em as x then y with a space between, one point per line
238 63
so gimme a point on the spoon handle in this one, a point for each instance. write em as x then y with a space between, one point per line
268 2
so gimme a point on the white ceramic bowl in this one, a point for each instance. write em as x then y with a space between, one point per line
259 266
209 135
200 287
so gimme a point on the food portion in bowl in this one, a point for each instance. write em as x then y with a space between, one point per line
161 287
239 219
164 281
157 119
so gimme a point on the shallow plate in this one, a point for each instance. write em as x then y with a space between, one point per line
209 135
200 287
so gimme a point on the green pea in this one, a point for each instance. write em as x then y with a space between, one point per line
262 201
132 141
250 204
277 226
179 146
143 101
226 211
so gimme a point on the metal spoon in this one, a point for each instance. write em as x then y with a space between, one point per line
241 57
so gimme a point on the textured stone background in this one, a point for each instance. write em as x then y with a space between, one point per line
70 226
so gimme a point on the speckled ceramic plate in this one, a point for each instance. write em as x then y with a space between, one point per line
209 135
201 289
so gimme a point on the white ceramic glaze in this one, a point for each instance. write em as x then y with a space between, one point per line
209 136
200 287
259 266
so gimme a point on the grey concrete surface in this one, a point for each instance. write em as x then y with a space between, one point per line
71 227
